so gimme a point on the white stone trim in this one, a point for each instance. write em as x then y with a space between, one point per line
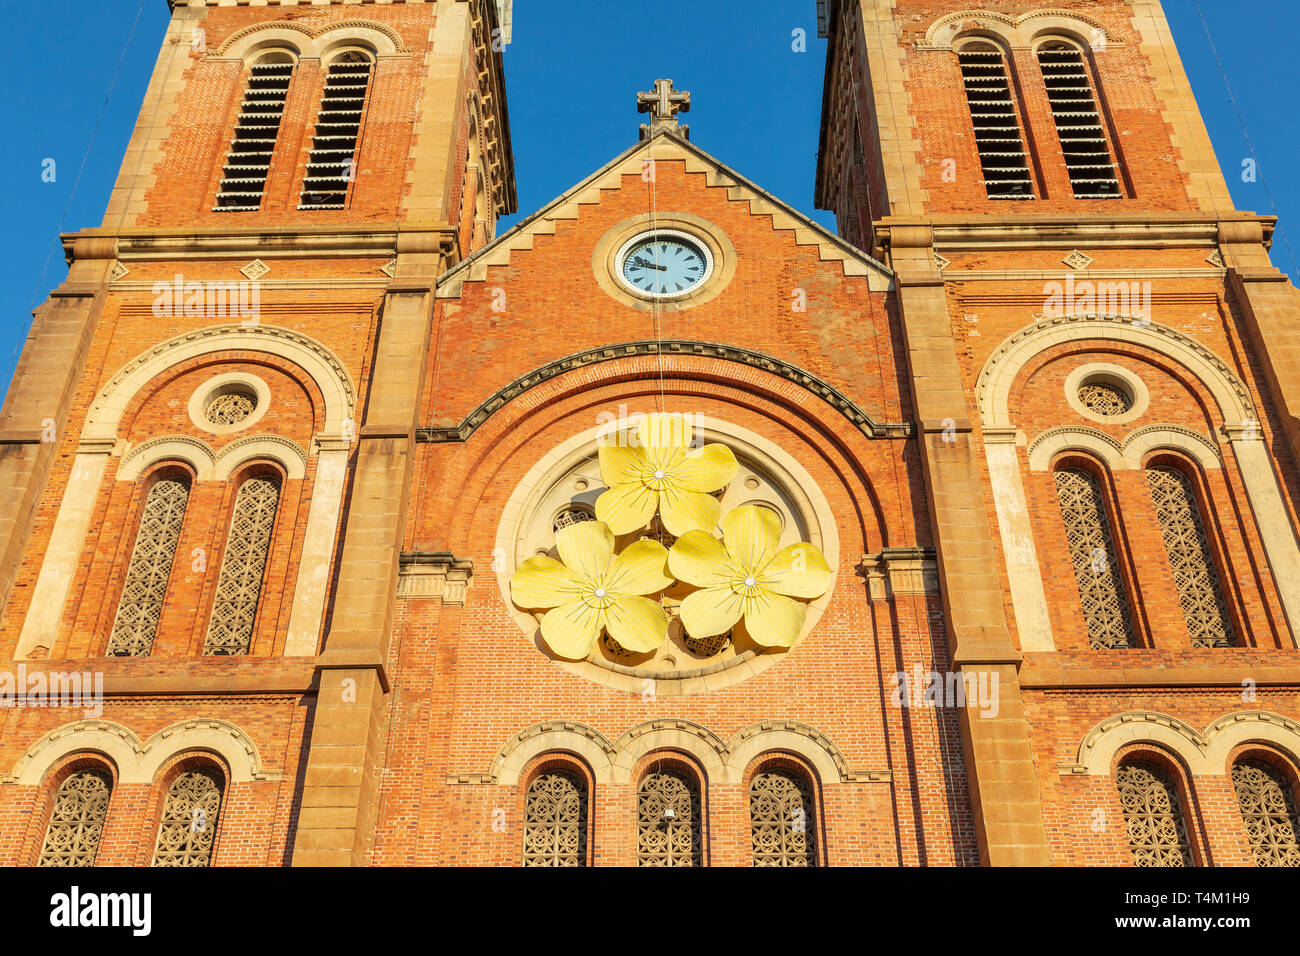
1028 599
285 452
197 407
306 43
1080 438
1115 375
193 451
317 553
1019 32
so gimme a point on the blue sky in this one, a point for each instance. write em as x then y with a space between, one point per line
571 89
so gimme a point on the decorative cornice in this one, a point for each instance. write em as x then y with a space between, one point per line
900 571
434 574
806 380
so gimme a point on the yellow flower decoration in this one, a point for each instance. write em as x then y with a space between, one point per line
663 473
589 591
748 577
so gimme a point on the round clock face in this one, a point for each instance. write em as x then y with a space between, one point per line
664 264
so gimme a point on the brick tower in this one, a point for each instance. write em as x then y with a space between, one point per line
1106 392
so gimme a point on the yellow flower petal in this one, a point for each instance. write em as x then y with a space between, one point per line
664 437
642 568
705 469
637 623
773 620
752 535
711 611
587 548
571 631
626 508
543 582
797 571
700 559
683 511
620 463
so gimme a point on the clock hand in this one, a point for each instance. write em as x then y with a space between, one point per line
648 265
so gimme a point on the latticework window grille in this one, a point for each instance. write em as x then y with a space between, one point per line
189 820
1078 122
709 646
614 649
240 584
555 820
243 179
331 166
1268 810
1153 816
140 608
77 822
1200 593
669 821
1103 398
1092 551
231 408
997 130
571 516
781 816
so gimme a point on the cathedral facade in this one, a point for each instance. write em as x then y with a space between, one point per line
666 527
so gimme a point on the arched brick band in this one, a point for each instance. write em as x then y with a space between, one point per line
725 353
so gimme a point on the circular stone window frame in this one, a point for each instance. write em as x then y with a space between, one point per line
223 384
1107 374
654 235
811 506
612 247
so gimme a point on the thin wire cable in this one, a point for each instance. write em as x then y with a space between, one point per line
1259 169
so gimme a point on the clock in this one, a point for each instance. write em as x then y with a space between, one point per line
664 264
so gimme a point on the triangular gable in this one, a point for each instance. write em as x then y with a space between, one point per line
668 147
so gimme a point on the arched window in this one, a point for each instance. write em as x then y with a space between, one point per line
1153 815
243 178
1268 810
1092 551
150 568
1199 591
669 820
782 818
997 127
77 821
189 819
240 585
555 820
1078 121
332 163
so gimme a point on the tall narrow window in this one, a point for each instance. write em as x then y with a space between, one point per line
781 818
1152 815
997 129
189 820
240 585
555 820
136 624
668 820
77 822
1092 551
243 179
1199 591
332 163
1078 121
1269 811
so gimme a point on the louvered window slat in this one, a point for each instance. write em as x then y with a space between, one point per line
331 164
1003 160
248 161
1078 123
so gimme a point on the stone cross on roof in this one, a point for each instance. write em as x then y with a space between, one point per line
663 103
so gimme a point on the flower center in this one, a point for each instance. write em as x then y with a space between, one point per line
600 592
659 476
749 583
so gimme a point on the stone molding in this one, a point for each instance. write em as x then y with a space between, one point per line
1125 455
434 574
308 43
897 571
1016 32
671 347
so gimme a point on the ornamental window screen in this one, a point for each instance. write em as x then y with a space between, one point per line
1104 398
189 820
781 817
248 162
77 821
1078 121
231 408
1092 551
1003 160
331 165
669 820
1200 593
240 585
555 820
1153 816
1268 809
140 607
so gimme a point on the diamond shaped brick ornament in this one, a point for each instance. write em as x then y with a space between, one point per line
940 262
255 269
1077 260
118 271
1215 258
